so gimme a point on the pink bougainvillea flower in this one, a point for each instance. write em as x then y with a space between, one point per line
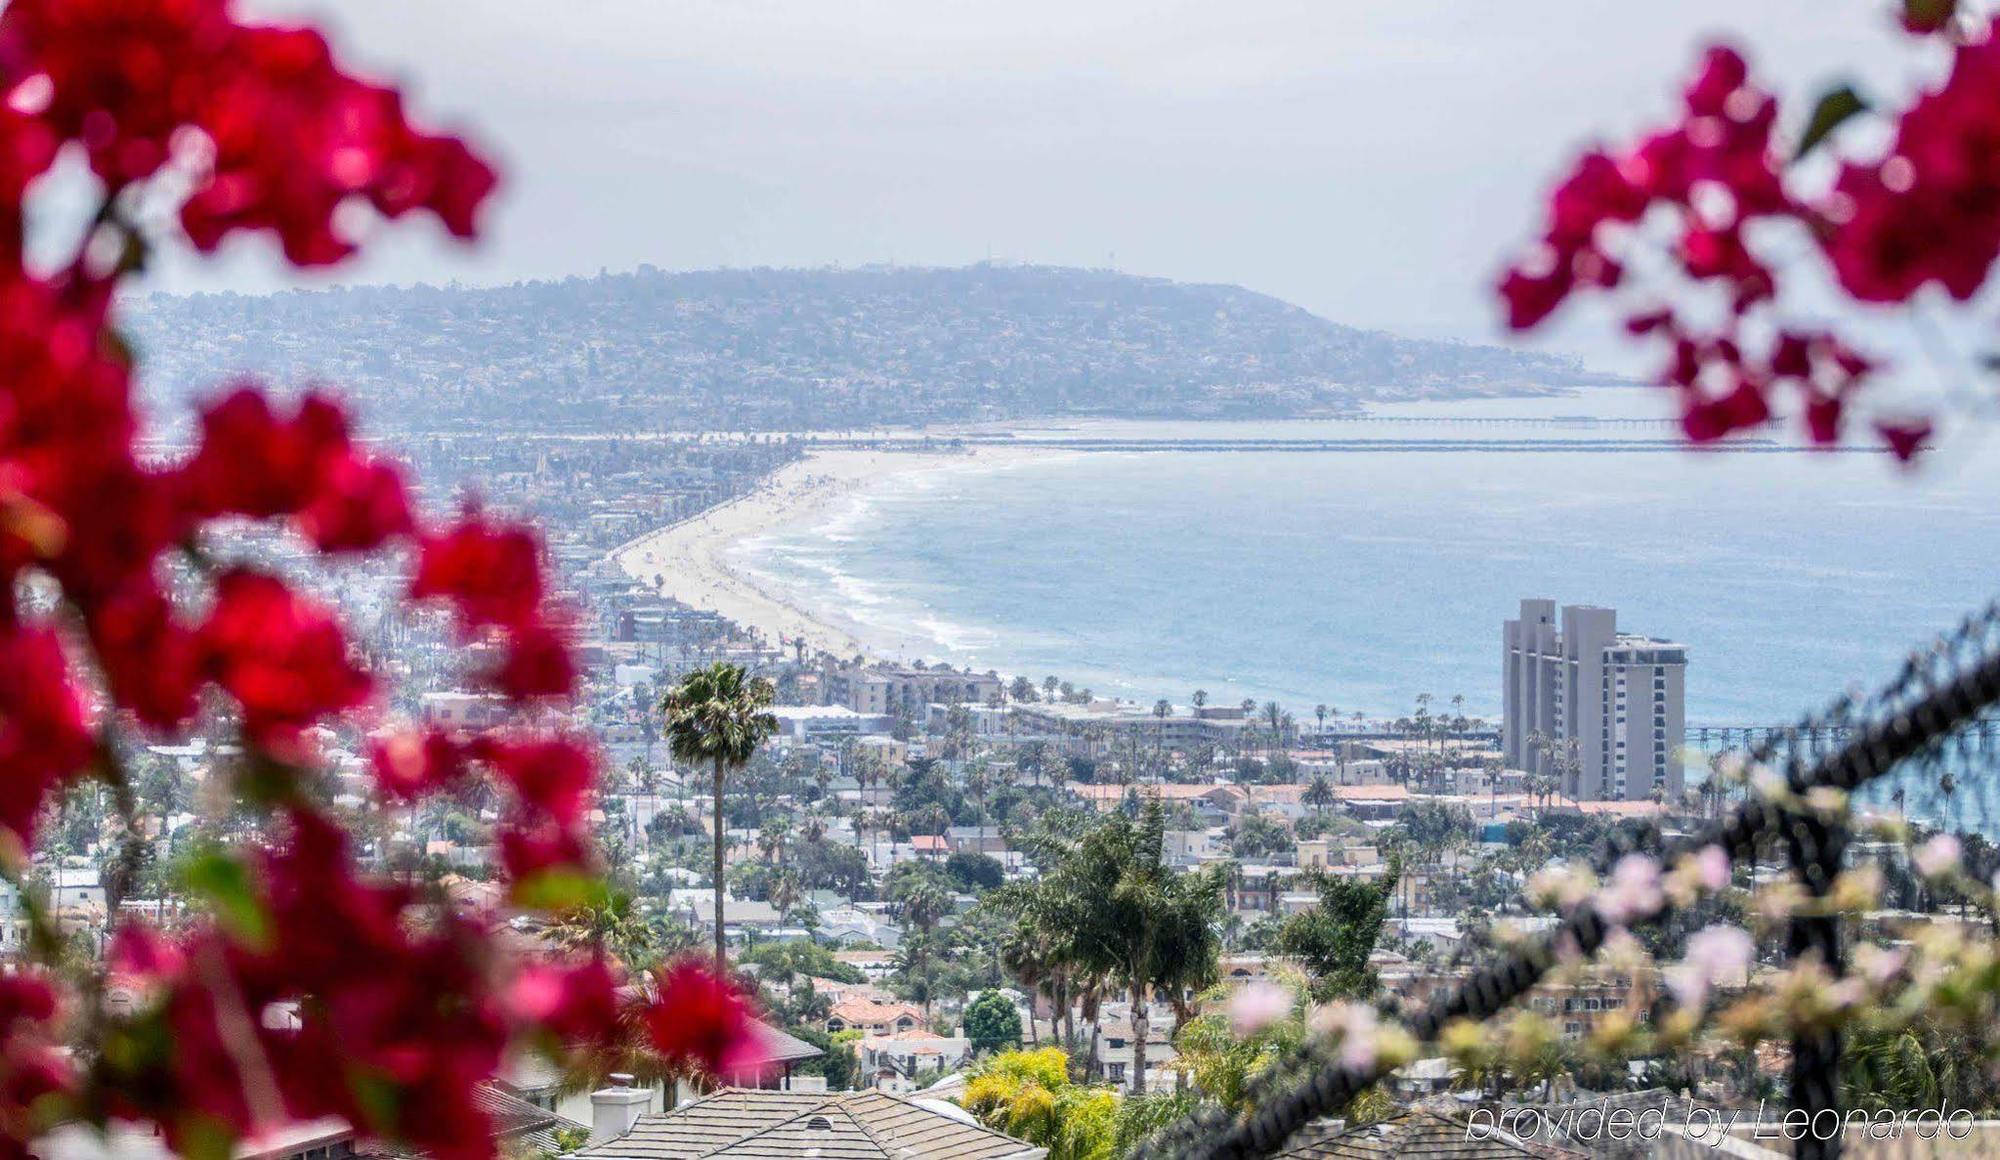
700 1020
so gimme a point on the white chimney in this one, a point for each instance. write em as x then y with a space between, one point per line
615 1109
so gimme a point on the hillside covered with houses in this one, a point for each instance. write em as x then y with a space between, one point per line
802 350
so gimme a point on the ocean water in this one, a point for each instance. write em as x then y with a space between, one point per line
1362 579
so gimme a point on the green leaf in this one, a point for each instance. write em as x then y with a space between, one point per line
559 889
1928 15
203 1137
225 884
1835 106
378 1098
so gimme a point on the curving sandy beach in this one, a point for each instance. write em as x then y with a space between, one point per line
690 561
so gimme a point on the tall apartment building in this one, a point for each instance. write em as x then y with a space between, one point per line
1621 698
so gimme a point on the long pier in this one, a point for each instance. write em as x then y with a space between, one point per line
1354 445
1716 737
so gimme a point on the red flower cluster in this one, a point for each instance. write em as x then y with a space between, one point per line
409 765
35 1071
1928 211
314 991
277 134
1716 169
45 738
252 463
280 655
577 1003
699 1016
491 574
277 1023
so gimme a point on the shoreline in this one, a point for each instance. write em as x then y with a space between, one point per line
690 561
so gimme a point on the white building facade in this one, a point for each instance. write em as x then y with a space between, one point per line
1603 711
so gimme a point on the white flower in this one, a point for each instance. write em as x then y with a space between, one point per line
1719 953
1633 892
1560 886
1357 1028
1937 857
1769 784
1711 865
1879 964
1256 1006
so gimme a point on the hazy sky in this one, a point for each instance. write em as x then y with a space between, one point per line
1372 161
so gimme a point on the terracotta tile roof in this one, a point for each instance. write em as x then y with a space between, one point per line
742 1124
869 1011
1371 793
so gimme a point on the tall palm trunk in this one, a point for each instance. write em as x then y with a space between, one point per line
721 938
1140 1029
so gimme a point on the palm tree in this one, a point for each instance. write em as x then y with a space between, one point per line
1317 795
1119 914
1199 699
1162 709
719 714
771 838
607 927
1165 936
786 893
1320 711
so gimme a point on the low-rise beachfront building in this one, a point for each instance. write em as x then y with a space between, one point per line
1226 800
821 722
1359 771
1100 725
900 691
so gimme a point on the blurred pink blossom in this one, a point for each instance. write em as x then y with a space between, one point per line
1258 1005
1633 892
1715 954
1937 857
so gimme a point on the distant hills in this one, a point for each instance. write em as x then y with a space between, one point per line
810 349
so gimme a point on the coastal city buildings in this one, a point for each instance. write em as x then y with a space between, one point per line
1602 711
898 689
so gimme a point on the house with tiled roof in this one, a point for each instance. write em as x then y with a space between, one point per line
543 1085
740 1124
874 1018
892 1062
519 1128
876 964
